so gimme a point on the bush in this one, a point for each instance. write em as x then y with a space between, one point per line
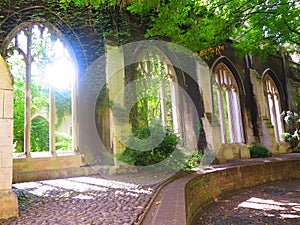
163 151
293 140
63 142
193 161
259 151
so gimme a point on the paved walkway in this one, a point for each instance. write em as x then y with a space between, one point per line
168 207
275 203
119 200
122 200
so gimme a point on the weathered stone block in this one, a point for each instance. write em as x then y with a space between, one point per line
6 155
8 104
8 204
1 103
5 178
6 81
283 147
245 152
6 132
228 152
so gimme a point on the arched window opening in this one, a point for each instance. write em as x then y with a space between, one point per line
159 101
44 76
273 106
227 105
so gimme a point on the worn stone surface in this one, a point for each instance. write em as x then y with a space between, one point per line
273 203
1 103
5 179
8 200
6 131
6 81
9 204
118 199
8 104
6 156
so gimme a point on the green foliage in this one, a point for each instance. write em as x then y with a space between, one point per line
23 198
63 104
259 151
145 158
256 27
193 161
293 140
292 136
200 25
39 135
63 142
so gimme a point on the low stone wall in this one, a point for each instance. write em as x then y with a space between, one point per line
41 168
210 185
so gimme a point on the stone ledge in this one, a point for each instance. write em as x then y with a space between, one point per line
46 163
48 167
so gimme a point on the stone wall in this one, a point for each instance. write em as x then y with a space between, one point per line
209 186
8 200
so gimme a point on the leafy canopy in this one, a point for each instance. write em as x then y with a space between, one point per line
259 27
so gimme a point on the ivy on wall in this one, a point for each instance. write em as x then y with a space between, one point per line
85 27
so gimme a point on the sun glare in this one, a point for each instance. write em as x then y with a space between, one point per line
61 72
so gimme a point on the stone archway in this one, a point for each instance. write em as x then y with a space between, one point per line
8 200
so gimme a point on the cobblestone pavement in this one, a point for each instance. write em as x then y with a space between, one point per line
84 200
275 203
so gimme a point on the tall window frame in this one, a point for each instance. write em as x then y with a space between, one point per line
25 51
273 103
227 104
155 65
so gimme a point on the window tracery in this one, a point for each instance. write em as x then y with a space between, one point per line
273 110
42 86
227 105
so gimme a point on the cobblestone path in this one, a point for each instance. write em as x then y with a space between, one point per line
276 203
82 200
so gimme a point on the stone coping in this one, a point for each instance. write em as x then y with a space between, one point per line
42 165
43 154
177 202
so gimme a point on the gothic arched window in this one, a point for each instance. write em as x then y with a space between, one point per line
159 88
227 105
44 77
272 98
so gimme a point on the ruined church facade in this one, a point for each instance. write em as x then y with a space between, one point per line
222 104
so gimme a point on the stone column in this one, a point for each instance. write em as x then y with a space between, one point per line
115 79
210 123
8 200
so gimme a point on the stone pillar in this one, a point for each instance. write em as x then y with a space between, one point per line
269 135
210 123
8 200
116 84
261 104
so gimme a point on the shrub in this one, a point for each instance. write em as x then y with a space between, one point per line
259 151
193 161
293 140
150 157
63 142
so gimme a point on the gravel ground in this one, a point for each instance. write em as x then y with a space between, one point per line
119 200
274 203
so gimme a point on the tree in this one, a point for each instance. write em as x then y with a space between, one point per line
257 27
